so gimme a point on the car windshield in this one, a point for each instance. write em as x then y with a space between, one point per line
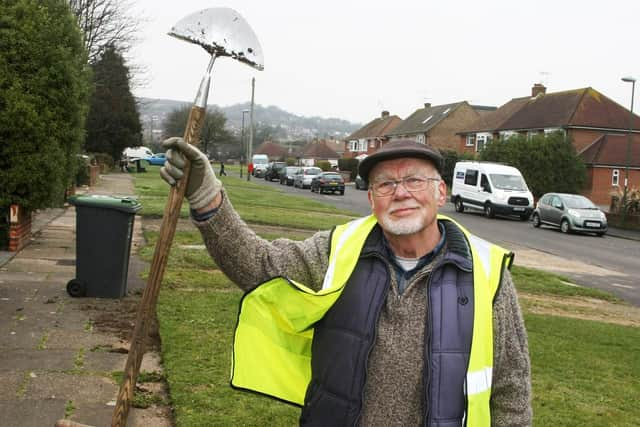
260 161
578 202
508 182
332 175
312 171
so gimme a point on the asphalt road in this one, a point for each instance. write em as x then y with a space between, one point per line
608 263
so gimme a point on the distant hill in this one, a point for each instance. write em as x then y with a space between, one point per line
285 126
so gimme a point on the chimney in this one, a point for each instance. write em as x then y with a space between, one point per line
538 89
385 114
427 105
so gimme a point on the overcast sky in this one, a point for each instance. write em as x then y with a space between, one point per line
351 59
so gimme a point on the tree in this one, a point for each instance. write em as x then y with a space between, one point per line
113 122
104 23
213 135
44 85
547 162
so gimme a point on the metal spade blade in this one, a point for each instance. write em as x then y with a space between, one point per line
221 31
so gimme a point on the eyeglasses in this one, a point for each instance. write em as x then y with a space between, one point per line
411 183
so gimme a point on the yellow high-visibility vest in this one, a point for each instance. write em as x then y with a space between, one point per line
272 342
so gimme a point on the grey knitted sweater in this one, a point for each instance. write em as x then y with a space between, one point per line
394 393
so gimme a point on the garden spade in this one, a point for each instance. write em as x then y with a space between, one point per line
221 32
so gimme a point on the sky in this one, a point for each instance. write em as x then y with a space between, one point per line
352 59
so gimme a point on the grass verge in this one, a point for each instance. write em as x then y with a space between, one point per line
585 372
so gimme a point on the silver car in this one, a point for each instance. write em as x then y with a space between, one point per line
305 175
569 212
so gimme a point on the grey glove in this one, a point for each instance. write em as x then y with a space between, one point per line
203 186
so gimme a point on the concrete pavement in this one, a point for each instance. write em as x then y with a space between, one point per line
60 356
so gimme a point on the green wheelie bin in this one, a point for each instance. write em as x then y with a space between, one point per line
104 227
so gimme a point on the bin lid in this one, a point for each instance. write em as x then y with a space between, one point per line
124 204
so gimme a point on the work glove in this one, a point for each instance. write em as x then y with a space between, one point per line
203 186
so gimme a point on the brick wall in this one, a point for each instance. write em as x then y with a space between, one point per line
19 227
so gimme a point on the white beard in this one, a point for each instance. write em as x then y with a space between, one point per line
402 227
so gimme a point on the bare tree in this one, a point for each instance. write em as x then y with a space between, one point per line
105 23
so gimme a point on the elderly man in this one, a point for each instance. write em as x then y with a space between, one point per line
400 318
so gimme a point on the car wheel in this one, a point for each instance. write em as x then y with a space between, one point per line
600 234
488 211
536 220
342 192
458 204
564 226
524 217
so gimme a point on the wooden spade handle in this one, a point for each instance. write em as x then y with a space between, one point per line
147 305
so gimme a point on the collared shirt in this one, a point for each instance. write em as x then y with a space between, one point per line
403 276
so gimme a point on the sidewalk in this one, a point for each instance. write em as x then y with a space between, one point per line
60 356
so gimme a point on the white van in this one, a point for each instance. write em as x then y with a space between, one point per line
260 163
494 188
136 153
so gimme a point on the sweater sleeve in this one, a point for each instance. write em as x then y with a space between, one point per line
511 387
249 260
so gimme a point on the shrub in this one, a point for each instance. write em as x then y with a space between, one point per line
349 165
324 165
104 159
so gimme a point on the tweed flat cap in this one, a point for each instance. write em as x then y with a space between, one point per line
399 149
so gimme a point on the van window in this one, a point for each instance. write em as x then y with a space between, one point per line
471 177
508 182
484 183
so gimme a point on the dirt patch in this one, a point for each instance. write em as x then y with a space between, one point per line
581 308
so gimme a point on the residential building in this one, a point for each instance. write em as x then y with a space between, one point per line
273 150
316 151
438 125
370 137
596 125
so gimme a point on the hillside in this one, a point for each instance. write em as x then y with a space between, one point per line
284 126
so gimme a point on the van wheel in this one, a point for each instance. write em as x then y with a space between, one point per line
564 226
488 211
459 206
536 220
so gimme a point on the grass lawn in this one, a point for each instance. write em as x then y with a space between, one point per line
585 372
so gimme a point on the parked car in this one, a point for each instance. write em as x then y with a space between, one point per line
569 212
260 162
157 159
305 175
360 184
286 174
328 181
273 170
494 188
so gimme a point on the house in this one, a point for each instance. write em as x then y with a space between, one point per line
273 150
370 137
438 125
606 161
316 151
590 120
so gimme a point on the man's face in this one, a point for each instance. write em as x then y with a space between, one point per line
405 212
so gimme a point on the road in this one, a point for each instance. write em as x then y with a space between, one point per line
608 263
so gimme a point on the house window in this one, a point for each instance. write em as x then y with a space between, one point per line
353 145
362 145
372 143
481 140
420 139
471 140
615 177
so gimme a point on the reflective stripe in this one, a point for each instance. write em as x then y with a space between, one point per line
351 228
483 250
479 381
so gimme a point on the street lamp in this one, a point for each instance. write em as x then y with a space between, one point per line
242 151
631 80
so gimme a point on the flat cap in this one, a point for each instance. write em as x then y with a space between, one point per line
400 149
